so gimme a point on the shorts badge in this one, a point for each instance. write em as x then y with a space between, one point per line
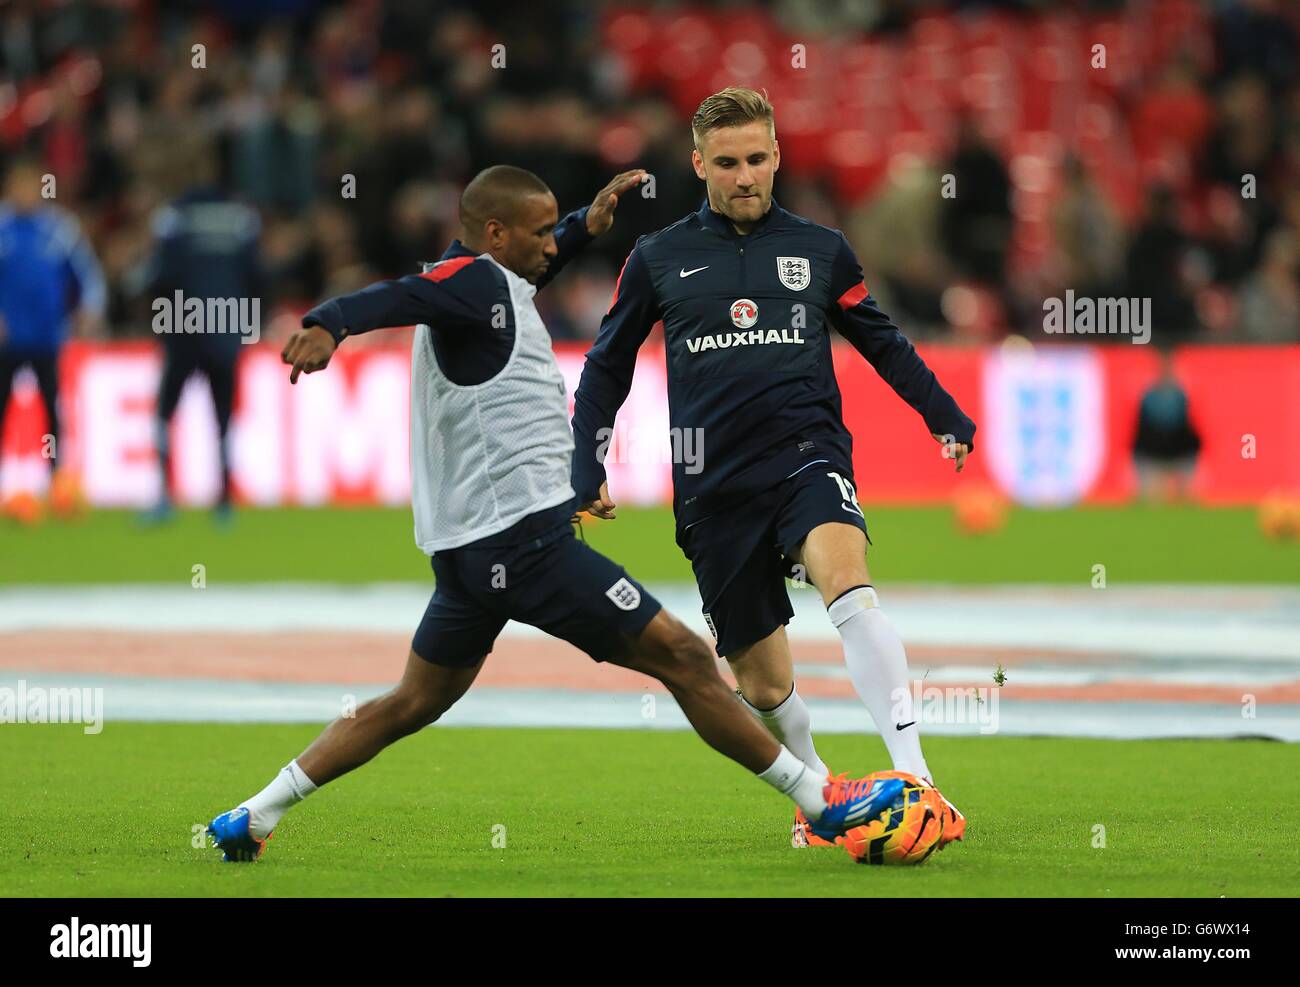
624 595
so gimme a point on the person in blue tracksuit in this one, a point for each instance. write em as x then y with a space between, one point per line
50 285
749 295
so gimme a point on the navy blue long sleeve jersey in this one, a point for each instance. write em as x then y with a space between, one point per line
470 314
746 328
492 461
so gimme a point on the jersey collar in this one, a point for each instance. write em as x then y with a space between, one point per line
719 223
458 249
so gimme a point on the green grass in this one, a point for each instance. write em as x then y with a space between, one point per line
635 813
1136 544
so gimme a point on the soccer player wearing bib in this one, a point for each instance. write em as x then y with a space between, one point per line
749 295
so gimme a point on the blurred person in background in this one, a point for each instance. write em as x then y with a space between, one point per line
206 247
897 235
977 221
50 284
1269 301
1243 138
1157 269
1167 443
1255 35
1088 235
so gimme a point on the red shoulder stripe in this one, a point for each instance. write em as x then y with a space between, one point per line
619 281
853 296
446 268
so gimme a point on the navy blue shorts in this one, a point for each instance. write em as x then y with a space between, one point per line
553 581
742 556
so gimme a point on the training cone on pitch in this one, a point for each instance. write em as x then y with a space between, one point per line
979 510
67 500
25 508
1279 517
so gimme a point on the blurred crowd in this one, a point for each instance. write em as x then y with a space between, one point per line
351 128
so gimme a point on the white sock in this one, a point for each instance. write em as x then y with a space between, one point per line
791 724
286 790
790 776
877 664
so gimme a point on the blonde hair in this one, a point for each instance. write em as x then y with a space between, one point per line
732 107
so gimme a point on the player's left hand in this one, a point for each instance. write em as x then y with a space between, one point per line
603 506
600 216
308 350
952 449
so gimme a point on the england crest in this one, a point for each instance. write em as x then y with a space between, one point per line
624 595
795 272
1047 430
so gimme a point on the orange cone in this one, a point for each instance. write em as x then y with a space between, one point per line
979 510
66 497
1279 516
25 508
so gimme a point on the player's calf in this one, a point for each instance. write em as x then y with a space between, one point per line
764 670
426 692
686 665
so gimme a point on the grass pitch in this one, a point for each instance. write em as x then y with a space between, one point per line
629 813
1183 544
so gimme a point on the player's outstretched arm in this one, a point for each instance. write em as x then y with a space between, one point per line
449 297
858 318
581 226
606 379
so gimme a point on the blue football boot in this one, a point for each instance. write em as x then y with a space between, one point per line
853 802
230 834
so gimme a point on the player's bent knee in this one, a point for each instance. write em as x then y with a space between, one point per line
692 661
672 652
427 691
765 696
411 712
838 587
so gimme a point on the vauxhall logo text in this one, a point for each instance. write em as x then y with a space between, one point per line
754 337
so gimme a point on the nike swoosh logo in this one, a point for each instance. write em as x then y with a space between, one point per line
904 726
686 274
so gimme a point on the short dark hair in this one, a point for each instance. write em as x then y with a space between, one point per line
734 106
495 193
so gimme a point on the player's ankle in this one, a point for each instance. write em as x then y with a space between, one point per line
790 776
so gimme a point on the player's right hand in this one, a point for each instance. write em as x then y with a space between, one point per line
952 449
307 351
602 508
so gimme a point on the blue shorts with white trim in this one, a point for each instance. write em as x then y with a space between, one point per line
551 580
742 556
